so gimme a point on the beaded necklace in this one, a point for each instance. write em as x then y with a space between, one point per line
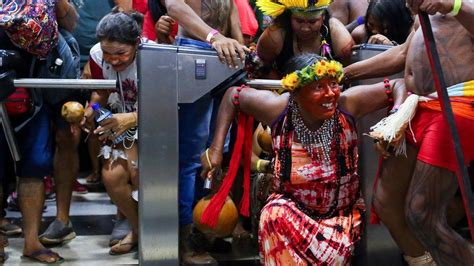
314 142
318 143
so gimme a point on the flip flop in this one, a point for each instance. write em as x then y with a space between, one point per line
35 256
3 257
133 248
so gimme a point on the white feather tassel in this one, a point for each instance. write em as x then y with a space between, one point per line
393 126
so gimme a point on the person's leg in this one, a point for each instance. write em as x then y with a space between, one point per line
36 150
389 200
3 165
116 178
431 190
93 146
66 168
65 171
194 123
31 200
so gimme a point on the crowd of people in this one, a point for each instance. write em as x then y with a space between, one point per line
314 211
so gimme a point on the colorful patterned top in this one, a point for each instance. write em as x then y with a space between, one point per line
321 190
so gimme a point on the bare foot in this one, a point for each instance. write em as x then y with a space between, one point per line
44 256
126 245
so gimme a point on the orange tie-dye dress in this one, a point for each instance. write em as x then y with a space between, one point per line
314 216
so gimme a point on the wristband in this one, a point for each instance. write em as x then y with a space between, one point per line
211 34
456 7
360 20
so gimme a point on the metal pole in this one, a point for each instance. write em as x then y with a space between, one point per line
265 84
89 84
8 131
440 85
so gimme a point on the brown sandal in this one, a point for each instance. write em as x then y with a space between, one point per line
133 247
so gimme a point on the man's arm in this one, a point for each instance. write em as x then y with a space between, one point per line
66 15
234 22
340 9
384 64
465 15
226 48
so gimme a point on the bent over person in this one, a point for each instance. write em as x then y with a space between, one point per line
314 215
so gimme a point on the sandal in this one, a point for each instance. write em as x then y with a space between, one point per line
35 256
133 247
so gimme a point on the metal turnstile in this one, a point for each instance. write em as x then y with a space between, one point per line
168 76
377 246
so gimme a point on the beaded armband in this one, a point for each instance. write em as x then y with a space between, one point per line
236 96
388 90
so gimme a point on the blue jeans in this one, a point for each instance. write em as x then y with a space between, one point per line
35 144
194 124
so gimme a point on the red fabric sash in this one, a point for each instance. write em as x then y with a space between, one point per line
242 144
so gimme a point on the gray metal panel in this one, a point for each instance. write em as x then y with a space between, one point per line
190 88
378 248
158 155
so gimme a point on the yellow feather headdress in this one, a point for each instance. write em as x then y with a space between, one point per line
277 7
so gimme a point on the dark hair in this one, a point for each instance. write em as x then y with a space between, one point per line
394 17
284 21
120 27
156 9
300 61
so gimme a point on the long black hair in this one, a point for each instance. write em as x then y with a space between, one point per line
394 17
284 21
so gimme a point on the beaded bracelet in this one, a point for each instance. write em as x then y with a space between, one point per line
388 90
236 96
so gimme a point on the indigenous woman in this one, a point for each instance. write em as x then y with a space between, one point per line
114 57
314 215
387 22
301 26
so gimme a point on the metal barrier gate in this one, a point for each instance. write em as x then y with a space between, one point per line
168 76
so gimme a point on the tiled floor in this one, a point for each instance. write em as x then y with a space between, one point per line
83 250
92 217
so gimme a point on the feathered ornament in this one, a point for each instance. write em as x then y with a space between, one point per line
392 128
277 7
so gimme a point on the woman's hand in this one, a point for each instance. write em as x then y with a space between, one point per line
211 163
379 39
87 123
163 28
115 126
